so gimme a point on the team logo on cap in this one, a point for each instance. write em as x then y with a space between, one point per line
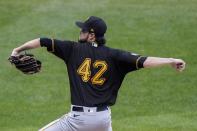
92 30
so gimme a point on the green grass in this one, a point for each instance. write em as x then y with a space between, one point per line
149 100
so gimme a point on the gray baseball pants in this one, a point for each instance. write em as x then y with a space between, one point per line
88 120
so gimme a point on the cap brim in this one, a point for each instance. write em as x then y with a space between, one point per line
80 24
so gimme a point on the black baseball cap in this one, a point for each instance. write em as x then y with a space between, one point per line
93 24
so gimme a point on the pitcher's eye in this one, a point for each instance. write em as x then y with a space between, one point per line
84 30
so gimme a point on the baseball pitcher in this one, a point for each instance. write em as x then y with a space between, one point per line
95 72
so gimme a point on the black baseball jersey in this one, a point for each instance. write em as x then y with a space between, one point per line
95 72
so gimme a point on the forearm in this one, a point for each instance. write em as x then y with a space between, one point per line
156 61
178 64
28 45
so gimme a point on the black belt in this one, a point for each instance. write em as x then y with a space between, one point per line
80 109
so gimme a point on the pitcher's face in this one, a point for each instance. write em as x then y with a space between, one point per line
83 37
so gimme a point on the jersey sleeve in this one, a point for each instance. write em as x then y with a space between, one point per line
61 49
127 61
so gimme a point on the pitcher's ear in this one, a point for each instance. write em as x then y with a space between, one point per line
92 34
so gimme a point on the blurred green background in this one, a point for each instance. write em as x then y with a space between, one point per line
159 99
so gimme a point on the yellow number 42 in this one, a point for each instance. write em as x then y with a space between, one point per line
85 72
